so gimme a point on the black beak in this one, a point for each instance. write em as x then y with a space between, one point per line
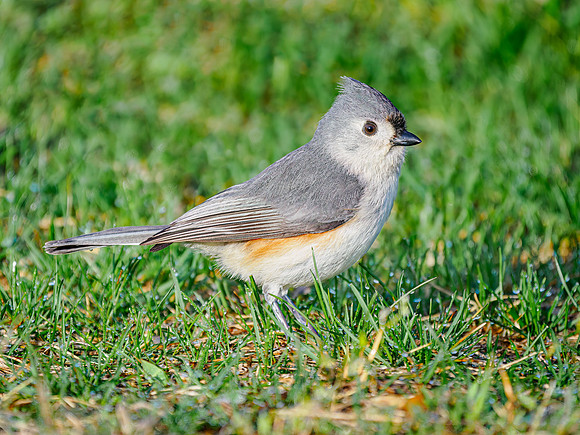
405 139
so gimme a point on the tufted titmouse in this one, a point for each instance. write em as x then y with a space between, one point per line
325 201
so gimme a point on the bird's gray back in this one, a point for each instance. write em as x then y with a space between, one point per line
308 187
305 192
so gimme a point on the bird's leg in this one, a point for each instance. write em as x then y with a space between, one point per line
299 316
278 313
271 294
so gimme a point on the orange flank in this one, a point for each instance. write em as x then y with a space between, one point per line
258 250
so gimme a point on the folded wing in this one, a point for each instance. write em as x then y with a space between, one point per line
295 196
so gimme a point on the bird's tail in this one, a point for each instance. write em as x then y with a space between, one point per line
112 237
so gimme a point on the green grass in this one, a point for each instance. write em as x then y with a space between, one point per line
462 318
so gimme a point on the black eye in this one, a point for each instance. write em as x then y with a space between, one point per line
369 128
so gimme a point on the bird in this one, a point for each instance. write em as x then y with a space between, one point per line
317 210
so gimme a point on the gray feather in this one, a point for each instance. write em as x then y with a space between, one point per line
305 192
111 237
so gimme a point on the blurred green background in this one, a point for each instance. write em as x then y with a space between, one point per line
148 104
131 112
117 113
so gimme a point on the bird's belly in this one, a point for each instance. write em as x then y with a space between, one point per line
291 261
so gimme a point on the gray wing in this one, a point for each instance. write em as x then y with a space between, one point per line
305 192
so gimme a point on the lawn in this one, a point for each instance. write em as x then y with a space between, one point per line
463 316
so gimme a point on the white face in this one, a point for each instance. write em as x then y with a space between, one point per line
365 146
